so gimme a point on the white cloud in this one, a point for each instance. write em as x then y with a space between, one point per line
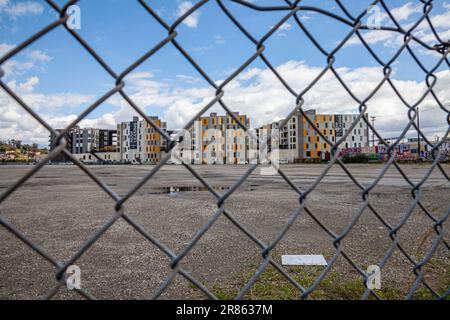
218 39
24 62
5 47
193 19
15 122
441 22
256 92
388 38
203 49
39 56
46 102
404 12
16 9
187 79
285 27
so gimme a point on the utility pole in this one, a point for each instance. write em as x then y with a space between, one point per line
373 118
418 133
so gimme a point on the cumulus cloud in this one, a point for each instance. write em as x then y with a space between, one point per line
283 29
193 19
440 21
256 92
187 79
39 56
25 62
404 12
16 9
15 122
5 47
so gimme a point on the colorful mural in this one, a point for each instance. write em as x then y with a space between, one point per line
402 152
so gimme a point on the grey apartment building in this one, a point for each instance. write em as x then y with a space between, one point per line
86 140
139 142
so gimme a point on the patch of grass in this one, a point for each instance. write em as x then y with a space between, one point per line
271 285
222 293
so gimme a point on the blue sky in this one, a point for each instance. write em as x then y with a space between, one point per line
59 78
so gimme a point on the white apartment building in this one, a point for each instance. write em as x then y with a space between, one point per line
139 142
298 140
358 138
219 140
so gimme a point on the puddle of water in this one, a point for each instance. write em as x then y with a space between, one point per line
182 189
177 190
48 177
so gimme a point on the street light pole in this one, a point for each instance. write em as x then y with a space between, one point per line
373 118
418 133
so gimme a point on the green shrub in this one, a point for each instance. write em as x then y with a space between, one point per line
355 158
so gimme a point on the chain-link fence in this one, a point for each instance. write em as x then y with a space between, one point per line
292 10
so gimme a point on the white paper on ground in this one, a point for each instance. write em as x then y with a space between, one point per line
303 260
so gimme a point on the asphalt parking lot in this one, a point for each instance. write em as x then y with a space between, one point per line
60 208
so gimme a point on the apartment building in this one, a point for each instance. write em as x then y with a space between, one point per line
313 146
129 141
107 140
216 139
268 139
53 144
153 143
219 140
139 142
299 140
358 138
85 140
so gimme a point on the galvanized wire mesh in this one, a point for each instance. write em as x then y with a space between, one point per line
292 10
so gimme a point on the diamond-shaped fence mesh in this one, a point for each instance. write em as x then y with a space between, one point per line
292 10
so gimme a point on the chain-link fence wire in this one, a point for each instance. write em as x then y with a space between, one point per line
292 10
